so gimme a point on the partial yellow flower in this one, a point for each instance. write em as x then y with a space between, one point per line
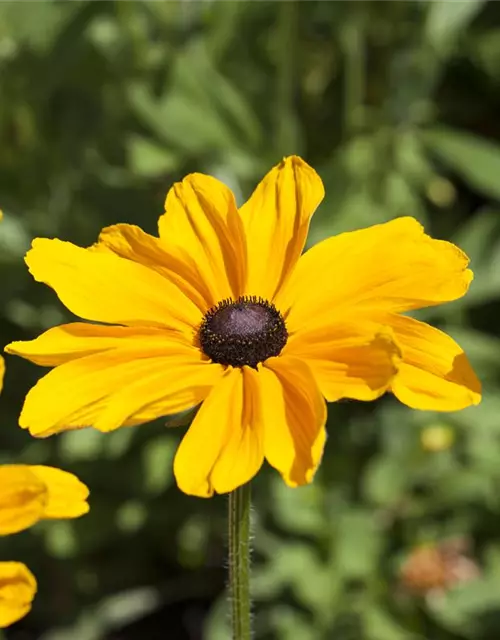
222 309
66 494
29 493
17 590
22 498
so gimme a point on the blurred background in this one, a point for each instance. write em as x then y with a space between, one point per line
396 104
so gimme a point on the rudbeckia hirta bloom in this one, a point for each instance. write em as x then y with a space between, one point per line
222 309
29 493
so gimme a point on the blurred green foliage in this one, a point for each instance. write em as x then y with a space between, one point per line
102 106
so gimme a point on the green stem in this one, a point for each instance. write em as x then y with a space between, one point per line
239 561
352 36
287 129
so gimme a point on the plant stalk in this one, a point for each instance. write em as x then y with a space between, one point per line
239 562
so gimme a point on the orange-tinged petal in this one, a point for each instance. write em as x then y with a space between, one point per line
22 498
434 374
389 267
120 387
17 590
78 339
276 220
223 447
355 360
294 416
104 287
201 228
132 243
66 495
2 371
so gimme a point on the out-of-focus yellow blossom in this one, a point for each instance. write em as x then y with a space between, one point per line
17 590
29 493
437 437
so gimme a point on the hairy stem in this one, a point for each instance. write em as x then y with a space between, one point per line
239 561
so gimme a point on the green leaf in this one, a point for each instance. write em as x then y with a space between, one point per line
483 416
379 625
477 234
298 511
149 159
486 52
460 610
475 159
385 481
200 112
400 198
446 20
32 23
291 624
358 544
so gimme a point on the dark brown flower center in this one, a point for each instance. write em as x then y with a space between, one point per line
242 332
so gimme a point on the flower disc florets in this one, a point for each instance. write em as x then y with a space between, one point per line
242 332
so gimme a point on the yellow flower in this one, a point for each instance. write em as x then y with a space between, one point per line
223 310
29 493
17 590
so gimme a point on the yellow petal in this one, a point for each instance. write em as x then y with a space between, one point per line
120 387
103 287
390 267
355 360
294 416
435 374
76 340
202 229
132 243
22 498
17 590
223 448
276 220
2 371
66 495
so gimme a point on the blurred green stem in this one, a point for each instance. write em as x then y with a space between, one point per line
287 137
352 36
239 561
